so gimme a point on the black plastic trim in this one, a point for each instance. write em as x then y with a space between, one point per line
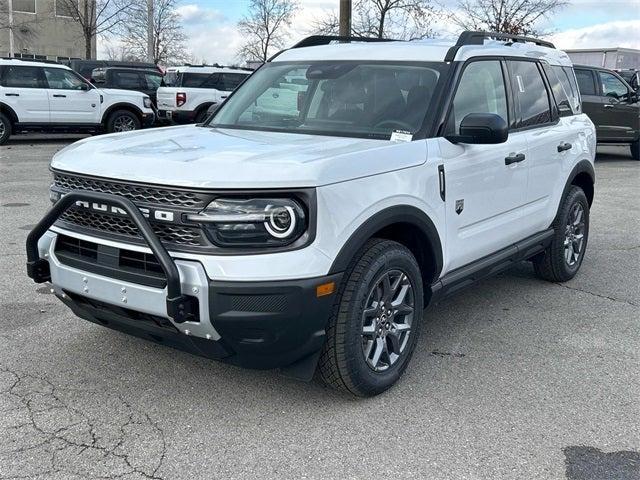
490 265
397 214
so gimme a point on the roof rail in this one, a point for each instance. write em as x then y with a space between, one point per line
216 65
34 60
315 40
478 38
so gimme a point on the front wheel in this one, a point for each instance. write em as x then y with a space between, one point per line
122 121
562 259
375 324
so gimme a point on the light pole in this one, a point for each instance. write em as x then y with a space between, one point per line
150 36
345 18
11 29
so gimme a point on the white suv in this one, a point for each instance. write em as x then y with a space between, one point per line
310 231
44 96
190 91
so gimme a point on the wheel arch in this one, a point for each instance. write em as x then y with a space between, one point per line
6 109
203 107
583 175
121 106
406 225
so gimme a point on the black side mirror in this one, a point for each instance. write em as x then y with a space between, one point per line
482 129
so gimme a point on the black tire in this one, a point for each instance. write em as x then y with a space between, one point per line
5 128
635 150
559 262
344 363
122 117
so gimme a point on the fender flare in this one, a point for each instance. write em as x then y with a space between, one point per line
121 106
397 214
10 112
203 107
583 166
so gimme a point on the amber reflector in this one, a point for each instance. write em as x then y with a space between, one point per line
325 289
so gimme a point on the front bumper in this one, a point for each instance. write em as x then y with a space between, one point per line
148 119
178 116
263 325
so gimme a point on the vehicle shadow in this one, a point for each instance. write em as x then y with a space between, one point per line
27 139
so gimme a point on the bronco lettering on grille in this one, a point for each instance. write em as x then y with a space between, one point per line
160 215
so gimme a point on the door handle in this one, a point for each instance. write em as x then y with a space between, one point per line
564 146
609 105
514 159
59 96
12 94
224 96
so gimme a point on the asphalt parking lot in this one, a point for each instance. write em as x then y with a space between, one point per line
512 379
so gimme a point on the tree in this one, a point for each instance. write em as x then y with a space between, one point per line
169 40
402 19
265 28
516 17
95 17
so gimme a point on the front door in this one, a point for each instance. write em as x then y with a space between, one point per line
619 116
71 99
484 191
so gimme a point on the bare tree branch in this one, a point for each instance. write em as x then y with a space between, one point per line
264 28
169 39
402 19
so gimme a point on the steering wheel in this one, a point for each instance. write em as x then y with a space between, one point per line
392 123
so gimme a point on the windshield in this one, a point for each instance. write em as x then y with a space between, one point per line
333 98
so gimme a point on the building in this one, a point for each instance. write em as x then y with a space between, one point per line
42 30
611 58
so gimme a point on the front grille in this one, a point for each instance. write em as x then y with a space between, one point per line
135 193
175 234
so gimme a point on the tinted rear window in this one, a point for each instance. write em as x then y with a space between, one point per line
585 82
21 77
530 94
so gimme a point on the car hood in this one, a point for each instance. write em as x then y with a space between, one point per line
120 92
203 157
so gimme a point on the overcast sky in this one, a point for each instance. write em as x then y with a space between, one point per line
211 24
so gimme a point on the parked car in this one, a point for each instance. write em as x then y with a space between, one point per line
49 97
189 91
86 67
612 105
309 231
140 80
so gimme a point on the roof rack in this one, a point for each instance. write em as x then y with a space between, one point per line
34 60
217 65
478 38
315 40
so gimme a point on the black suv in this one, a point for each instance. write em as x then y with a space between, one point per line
612 104
145 81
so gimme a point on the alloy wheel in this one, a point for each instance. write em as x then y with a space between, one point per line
574 235
123 123
386 320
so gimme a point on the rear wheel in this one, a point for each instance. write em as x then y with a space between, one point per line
122 121
635 150
562 259
201 115
5 128
375 324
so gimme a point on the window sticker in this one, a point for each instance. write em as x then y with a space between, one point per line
520 84
401 136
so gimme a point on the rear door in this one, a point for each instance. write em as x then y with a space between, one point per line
23 89
485 192
72 99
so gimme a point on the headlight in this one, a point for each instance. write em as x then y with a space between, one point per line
256 222
146 101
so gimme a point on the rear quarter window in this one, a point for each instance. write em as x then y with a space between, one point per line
566 98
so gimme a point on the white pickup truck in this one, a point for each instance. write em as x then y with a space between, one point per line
190 91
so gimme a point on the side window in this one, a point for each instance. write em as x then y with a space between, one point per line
127 80
612 86
230 81
27 6
530 94
585 82
22 77
62 79
561 88
481 90
153 81
576 100
213 81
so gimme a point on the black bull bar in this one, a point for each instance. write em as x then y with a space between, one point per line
180 307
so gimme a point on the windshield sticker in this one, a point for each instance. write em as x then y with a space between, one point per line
401 136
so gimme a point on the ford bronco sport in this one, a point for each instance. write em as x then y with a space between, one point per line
338 191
